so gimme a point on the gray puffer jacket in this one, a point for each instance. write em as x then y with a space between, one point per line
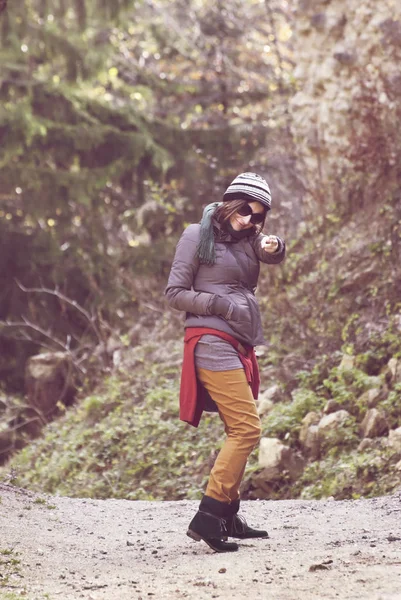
192 286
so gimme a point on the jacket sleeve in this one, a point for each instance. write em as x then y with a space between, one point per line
179 291
266 257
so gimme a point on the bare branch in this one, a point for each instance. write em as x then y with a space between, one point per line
47 334
90 318
154 308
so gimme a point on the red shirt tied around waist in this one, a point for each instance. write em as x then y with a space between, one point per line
193 396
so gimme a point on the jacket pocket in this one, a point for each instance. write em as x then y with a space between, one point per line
246 318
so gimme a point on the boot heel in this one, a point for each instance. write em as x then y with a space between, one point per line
193 535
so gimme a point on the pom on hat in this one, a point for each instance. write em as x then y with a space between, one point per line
250 187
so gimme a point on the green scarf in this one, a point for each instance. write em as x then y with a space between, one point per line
206 251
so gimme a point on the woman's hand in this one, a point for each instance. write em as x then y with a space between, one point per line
221 306
269 243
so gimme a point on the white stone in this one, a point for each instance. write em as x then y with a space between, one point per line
347 362
370 397
331 407
365 444
270 450
276 458
374 424
311 442
264 406
271 393
394 439
42 366
333 420
383 98
394 365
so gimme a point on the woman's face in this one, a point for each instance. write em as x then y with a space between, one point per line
239 222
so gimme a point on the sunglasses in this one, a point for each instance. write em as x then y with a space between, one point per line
256 218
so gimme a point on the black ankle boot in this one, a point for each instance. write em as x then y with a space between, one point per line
237 527
209 525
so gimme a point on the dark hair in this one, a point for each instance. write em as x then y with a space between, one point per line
227 209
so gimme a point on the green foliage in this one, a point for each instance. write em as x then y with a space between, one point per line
391 406
351 475
341 439
43 502
384 344
314 378
93 407
345 386
284 420
9 566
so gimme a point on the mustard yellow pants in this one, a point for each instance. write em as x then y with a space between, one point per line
237 409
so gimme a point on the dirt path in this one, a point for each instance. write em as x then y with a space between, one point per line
123 550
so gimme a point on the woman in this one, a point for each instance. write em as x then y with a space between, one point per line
213 279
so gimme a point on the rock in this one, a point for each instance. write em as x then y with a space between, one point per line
312 442
309 435
269 452
275 458
49 380
332 421
378 443
344 57
273 393
397 318
318 20
394 439
347 362
330 430
262 482
312 418
394 366
264 406
331 406
324 566
365 444
370 398
374 424
268 398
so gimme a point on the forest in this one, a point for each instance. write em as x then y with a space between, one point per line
119 122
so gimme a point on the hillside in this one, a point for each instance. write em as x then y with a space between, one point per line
331 374
335 347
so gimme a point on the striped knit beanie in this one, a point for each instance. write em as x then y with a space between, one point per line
250 187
